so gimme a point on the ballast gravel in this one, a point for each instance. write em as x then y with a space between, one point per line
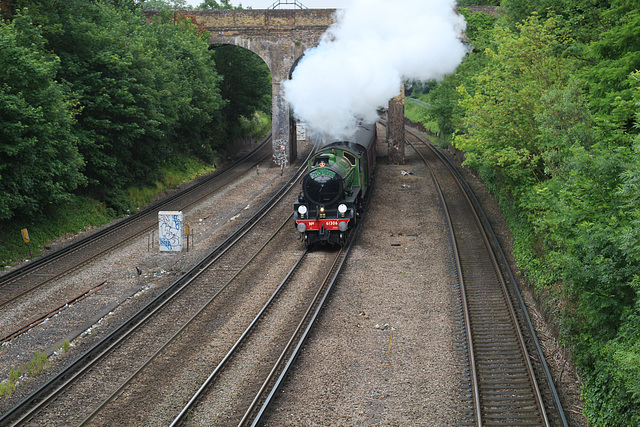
383 351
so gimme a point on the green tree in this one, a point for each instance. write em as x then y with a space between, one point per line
147 92
552 124
570 175
466 3
616 374
213 4
200 127
165 4
615 55
582 18
500 122
246 84
39 158
124 86
443 97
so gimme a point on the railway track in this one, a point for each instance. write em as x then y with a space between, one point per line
94 373
510 383
283 331
37 273
107 384
137 390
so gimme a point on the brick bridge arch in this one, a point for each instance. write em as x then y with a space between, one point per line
280 37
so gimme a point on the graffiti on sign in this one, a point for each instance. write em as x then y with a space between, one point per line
170 231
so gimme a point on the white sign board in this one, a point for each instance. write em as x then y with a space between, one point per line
170 231
301 132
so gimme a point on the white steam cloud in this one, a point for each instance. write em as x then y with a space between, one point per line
362 60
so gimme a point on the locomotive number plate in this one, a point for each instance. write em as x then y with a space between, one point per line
329 224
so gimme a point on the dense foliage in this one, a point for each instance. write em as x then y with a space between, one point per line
39 158
94 99
463 3
547 108
246 83
182 4
144 90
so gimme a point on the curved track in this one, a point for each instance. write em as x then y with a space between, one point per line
120 376
506 387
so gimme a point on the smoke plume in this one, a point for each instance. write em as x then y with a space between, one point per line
363 59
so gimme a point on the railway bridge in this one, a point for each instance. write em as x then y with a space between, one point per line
280 37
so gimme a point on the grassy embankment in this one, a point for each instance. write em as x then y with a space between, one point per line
82 213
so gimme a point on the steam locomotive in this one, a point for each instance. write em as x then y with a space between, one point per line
334 189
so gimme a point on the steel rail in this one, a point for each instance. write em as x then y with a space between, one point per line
527 319
297 338
181 417
11 277
52 313
24 410
261 413
512 314
519 336
188 323
463 294
305 320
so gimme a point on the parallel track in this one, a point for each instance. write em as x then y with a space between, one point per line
26 410
160 352
284 344
35 274
288 349
22 280
506 388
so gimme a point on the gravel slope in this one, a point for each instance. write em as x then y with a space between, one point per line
383 351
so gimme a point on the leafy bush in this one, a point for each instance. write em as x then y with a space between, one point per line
181 169
142 92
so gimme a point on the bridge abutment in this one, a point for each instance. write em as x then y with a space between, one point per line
280 128
280 37
395 135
